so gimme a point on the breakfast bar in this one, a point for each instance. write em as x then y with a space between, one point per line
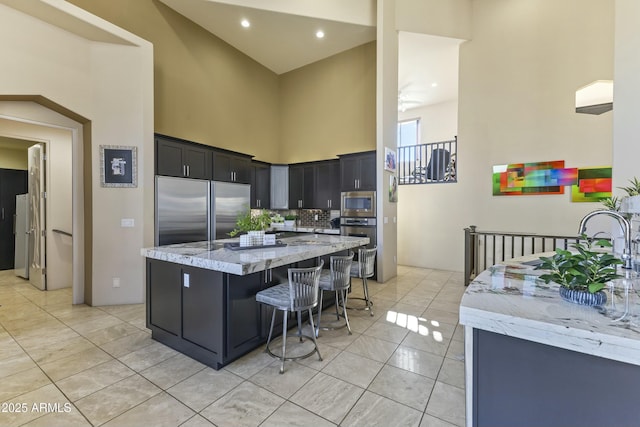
201 295
533 359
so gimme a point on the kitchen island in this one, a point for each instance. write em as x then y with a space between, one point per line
201 295
532 359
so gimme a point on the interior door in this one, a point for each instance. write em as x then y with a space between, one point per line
37 232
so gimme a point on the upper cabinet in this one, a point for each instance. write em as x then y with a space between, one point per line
327 185
175 157
301 186
260 185
231 167
358 171
279 187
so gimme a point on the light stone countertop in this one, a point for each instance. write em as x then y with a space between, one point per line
509 299
212 255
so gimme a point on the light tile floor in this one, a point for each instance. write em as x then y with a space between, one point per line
74 365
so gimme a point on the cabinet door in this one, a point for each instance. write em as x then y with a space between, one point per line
221 167
334 185
327 184
202 308
309 188
241 170
349 173
296 186
260 186
244 319
280 187
12 183
198 162
367 171
169 160
163 285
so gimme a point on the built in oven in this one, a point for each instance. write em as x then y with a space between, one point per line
358 204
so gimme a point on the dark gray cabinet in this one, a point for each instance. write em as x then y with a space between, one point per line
244 314
163 302
183 159
301 186
12 183
358 171
327 185
200 303
260 185
231 167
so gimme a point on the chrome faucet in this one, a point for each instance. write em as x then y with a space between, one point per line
625 226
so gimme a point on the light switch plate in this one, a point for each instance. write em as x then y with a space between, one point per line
127 222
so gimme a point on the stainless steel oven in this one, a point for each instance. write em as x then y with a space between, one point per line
360 227
358 204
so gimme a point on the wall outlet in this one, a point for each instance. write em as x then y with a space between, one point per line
127 222
395 259
315 217
116 282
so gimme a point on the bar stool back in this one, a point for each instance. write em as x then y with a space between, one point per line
299 294
364 269
336 279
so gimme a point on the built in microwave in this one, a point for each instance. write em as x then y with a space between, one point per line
358 204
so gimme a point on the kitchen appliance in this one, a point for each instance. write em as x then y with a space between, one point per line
229 201
182 210
21 231
360 227
358 204
192 210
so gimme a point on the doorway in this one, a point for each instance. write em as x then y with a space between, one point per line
55 257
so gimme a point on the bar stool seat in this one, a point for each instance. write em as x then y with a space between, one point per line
364 269
336 279
298 295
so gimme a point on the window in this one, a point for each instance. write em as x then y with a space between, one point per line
408 132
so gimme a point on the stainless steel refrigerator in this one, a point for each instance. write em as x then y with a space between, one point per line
192 210
21 231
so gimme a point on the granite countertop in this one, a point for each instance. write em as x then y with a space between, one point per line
212 255
509 299
335 231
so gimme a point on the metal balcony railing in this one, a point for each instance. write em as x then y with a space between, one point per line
483 249
431 163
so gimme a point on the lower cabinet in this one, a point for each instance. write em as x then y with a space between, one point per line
211 316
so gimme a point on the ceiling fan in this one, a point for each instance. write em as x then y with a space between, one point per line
405 102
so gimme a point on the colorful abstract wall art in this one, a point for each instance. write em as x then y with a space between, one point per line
593 185
520 179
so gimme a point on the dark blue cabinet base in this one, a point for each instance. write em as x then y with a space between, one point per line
518 382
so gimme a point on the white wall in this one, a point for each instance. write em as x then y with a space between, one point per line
112 86
439 122
518 76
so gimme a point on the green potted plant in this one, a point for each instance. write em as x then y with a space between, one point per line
290 220
249 221
583 273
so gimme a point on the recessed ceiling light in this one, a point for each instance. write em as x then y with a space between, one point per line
245 23
320 34
434 84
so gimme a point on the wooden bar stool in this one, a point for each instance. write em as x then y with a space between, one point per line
299 294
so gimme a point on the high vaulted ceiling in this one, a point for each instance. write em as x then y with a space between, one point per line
282 38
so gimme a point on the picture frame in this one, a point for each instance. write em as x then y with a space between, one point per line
118 166
389 159
393 189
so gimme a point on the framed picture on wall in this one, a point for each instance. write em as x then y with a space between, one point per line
118 166
389 159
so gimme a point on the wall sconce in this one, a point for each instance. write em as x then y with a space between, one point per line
595 98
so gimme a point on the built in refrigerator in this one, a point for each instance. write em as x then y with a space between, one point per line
192 210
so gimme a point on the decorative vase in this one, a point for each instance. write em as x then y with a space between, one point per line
583 297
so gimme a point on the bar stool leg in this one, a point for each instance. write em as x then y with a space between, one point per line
314 335
273 321
365 287
284 340
300 326
319 314
344 308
